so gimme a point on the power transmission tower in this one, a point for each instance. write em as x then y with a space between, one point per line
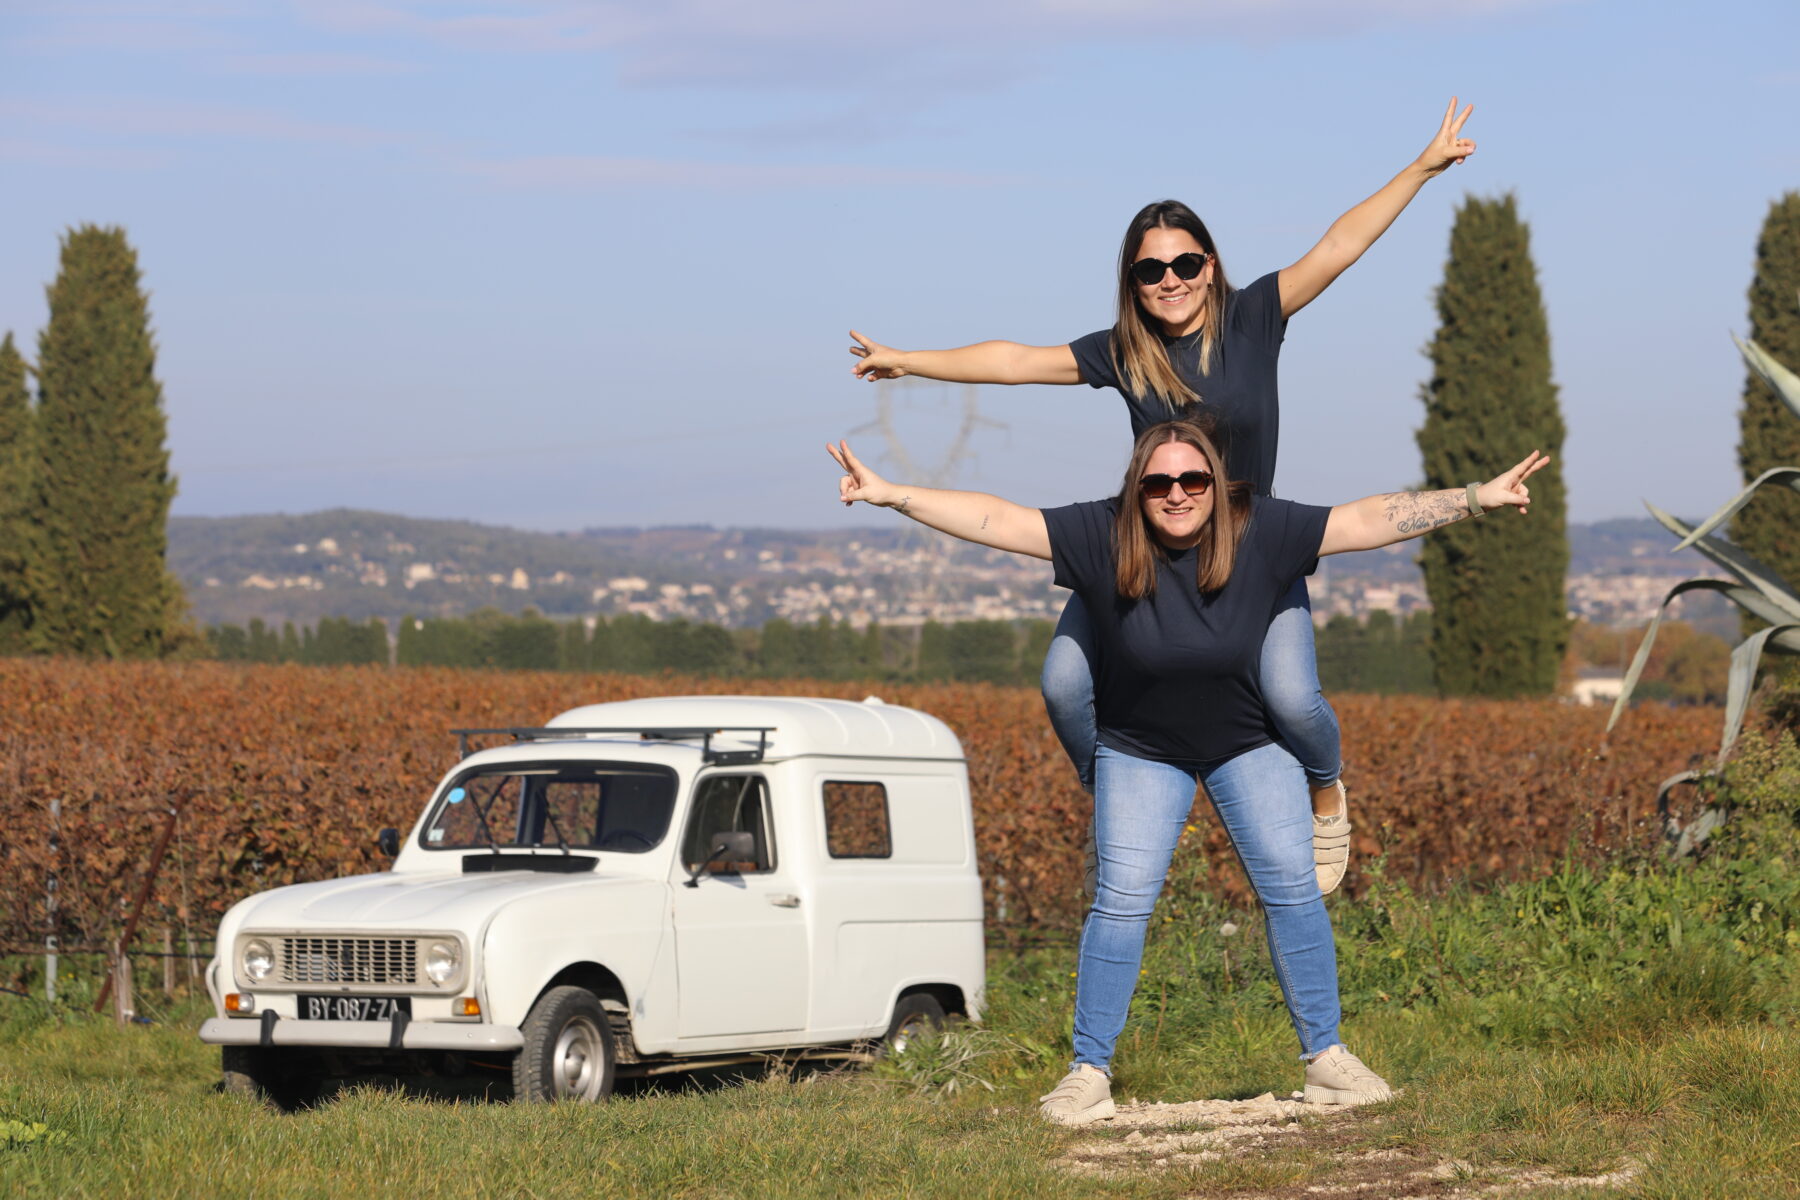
932 549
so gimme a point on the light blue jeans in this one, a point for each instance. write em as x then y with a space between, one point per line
1289 680
1140 807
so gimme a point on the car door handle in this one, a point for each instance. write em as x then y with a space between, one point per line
784 901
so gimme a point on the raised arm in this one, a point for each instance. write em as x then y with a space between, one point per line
972 516
984 362
1356 230
1377 521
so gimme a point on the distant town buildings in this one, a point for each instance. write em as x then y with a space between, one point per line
896 584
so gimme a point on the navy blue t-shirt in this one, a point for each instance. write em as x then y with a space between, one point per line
1240 391
1176 675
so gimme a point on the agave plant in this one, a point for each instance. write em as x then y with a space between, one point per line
1753 587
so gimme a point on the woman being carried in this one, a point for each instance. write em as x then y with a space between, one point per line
1186 338
1178 577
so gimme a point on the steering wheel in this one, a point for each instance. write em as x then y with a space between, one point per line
607 843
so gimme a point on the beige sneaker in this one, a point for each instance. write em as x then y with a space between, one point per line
1331 845
1339 1077
1084 1095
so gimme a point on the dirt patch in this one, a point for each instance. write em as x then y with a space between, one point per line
1150 1138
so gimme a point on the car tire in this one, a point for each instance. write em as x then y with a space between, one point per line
568 1051
274 1077
913 1014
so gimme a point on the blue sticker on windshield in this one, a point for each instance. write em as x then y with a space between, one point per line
457 795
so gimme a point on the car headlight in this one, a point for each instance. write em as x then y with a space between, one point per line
258 960
442 960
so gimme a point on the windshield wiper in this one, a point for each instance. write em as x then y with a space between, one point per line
481 815
550 812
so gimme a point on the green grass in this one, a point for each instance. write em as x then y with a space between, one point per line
1632 1016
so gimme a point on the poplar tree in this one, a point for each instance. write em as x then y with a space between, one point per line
99 581
1499 621
15 498
1768 435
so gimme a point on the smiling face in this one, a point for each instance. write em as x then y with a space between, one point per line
1177 305
1177 519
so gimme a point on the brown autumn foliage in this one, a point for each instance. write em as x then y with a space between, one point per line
284 773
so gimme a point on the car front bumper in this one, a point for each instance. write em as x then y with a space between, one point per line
374 1035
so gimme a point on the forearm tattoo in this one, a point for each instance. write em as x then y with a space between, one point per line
1417 512
904 501
984 518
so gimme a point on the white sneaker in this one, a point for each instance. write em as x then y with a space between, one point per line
1331 845
1339 1077
1084 1095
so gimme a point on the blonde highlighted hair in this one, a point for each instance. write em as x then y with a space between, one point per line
1138 351
1136 550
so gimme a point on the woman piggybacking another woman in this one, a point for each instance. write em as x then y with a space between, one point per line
1178 574
1187 342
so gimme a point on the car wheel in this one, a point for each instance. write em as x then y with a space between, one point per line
568 1051
279 1079
913 1015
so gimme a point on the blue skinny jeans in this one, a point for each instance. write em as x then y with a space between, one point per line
1140 807
1289 680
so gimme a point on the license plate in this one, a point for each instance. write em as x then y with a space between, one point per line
353 1008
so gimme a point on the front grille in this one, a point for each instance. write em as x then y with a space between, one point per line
387 961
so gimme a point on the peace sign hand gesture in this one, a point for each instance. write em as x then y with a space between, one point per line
878 361
1509 489
1449 147
859 482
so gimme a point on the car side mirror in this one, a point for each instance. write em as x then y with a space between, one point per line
731 847
388 842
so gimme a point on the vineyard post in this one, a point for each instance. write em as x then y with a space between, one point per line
122 965
168 960
51 884
119 980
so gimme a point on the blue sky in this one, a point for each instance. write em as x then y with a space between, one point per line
567 264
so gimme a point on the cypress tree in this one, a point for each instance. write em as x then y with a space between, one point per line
99 581
16 462
1496 585
229 643
264 646
572 647
778 649
407 650
1768 434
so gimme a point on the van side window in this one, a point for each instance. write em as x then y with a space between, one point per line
730 804
856 821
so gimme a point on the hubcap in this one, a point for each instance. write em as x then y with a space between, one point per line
578 1062
909 1029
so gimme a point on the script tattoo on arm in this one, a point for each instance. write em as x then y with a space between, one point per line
984 520
1417 512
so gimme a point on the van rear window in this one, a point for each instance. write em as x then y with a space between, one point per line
856 821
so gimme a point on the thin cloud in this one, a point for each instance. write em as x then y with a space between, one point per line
135 36
167 119
601 173
315 64
26 152
823 43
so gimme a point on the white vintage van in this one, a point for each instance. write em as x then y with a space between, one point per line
636 888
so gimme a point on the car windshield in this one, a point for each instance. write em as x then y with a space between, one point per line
620 807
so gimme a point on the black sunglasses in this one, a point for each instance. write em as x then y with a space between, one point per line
1194 483
1148 271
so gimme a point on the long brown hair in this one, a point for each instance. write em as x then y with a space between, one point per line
1138 352
1136 549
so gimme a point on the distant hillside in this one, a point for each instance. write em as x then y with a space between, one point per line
355 563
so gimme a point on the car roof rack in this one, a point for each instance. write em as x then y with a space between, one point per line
648 733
